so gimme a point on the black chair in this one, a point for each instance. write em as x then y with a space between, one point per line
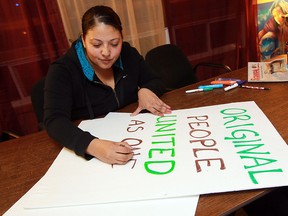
8 135
37 99
173 67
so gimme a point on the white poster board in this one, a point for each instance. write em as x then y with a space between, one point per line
195 151
168 207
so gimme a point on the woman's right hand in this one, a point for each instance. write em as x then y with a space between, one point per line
110 152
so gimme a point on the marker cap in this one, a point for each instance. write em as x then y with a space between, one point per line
207 89
199 90
211 86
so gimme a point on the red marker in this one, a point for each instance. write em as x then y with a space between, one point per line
255 87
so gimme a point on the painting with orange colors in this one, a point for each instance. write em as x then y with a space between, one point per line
272 18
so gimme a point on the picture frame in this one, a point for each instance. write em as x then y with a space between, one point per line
272 28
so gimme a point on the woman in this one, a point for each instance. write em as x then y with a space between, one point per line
99 73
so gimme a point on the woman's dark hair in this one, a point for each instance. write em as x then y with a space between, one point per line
100 14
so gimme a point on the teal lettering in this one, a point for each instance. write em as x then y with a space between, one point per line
250 145
233 111
251 149
246 141
235 118
234 114
242 125
241 134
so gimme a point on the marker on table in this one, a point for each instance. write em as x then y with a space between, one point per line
235 85
255 87
211 86
198 90
229 79
224 82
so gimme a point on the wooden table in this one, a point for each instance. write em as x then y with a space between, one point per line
25 160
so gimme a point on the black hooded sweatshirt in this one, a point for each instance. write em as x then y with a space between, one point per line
69 95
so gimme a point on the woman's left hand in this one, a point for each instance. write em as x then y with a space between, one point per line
151 102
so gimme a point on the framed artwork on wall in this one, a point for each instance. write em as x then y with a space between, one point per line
272 28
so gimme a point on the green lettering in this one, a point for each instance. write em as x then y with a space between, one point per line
258 161
161 151
165 127
166 118
172 141
253 173
170 168
161 135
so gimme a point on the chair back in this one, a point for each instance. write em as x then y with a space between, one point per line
171 65
37 99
